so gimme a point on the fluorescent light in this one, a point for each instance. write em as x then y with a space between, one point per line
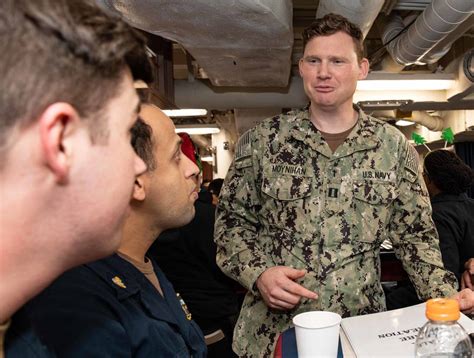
403 123
404 85
198 129
208 159
406 82
190 112
140 84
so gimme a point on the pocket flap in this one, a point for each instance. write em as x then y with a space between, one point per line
374 192
287 187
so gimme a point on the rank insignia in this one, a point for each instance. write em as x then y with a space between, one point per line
184 307
118 281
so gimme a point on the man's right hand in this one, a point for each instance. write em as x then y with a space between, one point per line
467 276
279 290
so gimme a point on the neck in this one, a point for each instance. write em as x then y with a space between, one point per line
333 120
28 260
139 233
27 265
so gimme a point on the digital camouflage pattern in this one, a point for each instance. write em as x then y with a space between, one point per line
288 200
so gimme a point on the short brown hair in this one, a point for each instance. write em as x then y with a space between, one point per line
329 25
63 51
143 143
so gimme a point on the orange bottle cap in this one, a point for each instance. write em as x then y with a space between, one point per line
442 309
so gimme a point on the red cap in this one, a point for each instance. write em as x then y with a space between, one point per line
187 147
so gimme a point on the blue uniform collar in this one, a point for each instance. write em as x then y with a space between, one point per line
127 281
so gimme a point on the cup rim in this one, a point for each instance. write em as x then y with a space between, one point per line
334 319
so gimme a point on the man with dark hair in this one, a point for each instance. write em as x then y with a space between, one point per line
123 305
311 196
67 168
188 258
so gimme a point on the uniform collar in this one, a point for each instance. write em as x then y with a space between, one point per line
361 138
127 281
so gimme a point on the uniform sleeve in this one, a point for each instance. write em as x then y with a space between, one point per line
72 320
237 225
413 234
448 243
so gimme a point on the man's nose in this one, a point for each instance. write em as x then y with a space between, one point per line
323 70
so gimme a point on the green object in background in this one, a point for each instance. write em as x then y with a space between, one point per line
448 136
419 140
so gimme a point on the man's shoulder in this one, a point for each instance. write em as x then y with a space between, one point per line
281 120
384 129
84 280
264 130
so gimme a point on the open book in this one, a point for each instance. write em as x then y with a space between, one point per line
389 334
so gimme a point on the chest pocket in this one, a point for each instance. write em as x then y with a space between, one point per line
372 207
287 187
285 201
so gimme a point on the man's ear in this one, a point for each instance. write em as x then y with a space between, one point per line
139 193
300 65
56 123
363 69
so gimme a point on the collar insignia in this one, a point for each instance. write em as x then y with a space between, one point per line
118 281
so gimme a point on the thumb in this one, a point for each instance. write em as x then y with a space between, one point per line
294 273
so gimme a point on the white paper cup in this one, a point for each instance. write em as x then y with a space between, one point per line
317 334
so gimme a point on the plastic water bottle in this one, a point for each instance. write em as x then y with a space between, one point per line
442 336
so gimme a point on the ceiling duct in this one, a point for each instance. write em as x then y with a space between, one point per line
360 12
433 123
237 43
417 46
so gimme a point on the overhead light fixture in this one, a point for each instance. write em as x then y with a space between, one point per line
189 112
403 123
140 84
208 159
406 82
196 129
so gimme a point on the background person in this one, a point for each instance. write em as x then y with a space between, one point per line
447 179
467 280
311 196
123 305
67 168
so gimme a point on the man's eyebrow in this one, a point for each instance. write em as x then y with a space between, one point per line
178 145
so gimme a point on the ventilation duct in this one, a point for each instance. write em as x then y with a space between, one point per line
360 12
237 43
433 123
436 22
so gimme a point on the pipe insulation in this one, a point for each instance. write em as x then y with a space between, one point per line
433 123
435 23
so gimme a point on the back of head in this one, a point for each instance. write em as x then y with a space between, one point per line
329 25
448 172
215 186
62 51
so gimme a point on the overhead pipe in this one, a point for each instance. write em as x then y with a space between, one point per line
436 22
433 123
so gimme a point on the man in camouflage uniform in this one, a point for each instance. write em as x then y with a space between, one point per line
313 193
